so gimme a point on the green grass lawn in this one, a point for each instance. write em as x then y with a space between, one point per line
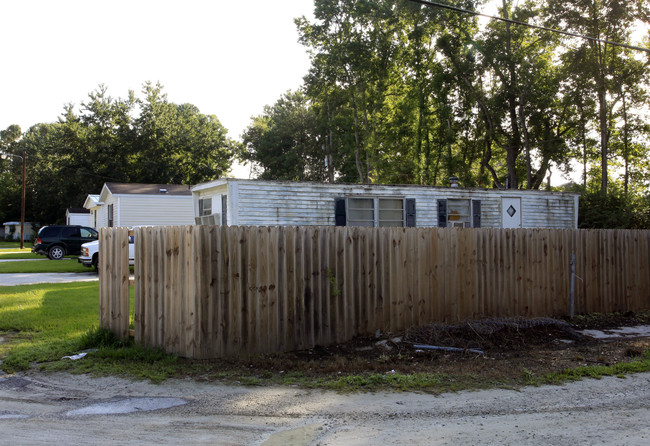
68 265
11 254
45 322
14 245
42 323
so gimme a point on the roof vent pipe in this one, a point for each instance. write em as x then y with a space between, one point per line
453 181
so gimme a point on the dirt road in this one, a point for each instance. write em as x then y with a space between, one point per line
66 409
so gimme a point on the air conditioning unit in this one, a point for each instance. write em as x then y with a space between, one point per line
209 220
457 224
216 219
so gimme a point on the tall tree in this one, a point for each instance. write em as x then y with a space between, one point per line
352 39
597 60
129 140
284 143
176 143
10 175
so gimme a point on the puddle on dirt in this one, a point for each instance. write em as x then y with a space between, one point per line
295 437
14 382
128 405
623 332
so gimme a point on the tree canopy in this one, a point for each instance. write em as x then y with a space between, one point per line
399 92
132 139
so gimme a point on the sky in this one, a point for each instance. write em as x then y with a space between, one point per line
228 58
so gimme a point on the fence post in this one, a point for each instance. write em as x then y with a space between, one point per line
573 285
114 280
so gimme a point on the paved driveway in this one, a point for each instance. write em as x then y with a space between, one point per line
32 278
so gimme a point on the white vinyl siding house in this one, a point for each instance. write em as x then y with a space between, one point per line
271 203
93 204
77 216
131 204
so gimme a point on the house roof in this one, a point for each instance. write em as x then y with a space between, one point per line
148 189
77 211
261 183
91 201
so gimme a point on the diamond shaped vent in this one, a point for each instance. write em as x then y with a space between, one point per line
511 211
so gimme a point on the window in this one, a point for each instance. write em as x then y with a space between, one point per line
205 206
391 212
375 212
458 213
87 233
361 212
49 231
110 215
69 232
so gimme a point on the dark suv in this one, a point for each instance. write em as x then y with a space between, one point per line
58 241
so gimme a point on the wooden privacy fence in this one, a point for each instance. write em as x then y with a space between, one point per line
214 291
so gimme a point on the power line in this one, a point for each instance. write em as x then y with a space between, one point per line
516 22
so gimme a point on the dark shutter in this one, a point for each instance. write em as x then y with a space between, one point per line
110 215
200 207
442 213
339 211
476 213
224 210
410 212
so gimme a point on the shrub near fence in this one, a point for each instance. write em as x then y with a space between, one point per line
213 291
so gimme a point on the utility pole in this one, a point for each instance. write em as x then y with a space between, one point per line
22 204
4 156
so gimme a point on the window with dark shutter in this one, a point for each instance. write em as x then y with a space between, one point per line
410 212
339 211
110 215
224 210
476 213
442 213
374 211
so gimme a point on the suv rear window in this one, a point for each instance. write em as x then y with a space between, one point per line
49 231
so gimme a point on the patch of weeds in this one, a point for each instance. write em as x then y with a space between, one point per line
637 365
102 338
132 361
529 377
335 289
392 381
38 351
250 381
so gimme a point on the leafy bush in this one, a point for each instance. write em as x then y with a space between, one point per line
100 337
614 211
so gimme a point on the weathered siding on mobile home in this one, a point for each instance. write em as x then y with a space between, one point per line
272 203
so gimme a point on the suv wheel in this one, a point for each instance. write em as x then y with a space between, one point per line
95 262
56 253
